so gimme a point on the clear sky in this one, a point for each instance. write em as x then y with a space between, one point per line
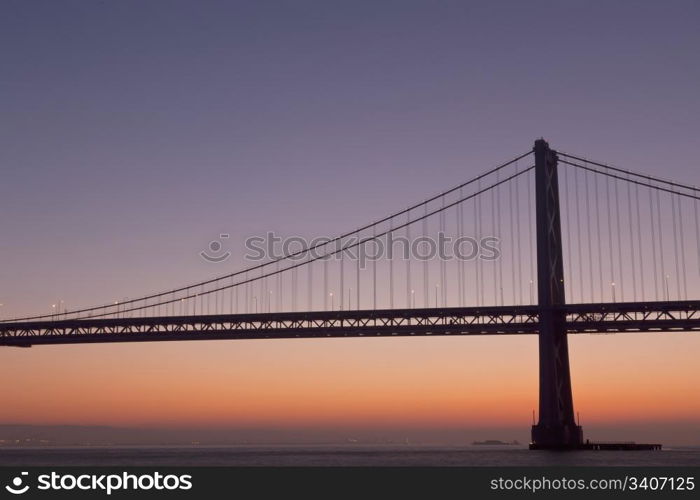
134 133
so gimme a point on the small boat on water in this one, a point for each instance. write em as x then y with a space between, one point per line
496 442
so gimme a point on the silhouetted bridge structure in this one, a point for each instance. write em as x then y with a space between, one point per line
580 318
628 248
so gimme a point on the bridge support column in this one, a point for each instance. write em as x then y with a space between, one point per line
556 427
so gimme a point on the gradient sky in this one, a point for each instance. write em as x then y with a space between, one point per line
134 133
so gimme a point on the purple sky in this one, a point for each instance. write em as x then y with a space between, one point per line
134 133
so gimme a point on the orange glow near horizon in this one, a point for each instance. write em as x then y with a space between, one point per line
443 382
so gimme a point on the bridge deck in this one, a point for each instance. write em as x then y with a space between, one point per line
503 320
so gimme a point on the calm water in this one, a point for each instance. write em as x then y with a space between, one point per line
348 455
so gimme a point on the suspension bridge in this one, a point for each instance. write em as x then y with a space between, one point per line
487 257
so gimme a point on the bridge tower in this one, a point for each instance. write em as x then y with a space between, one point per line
556 427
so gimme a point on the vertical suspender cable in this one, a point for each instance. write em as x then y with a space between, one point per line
279 289
619 242
458 252
295 289
664 279
360 252
342 277
512 238
517 238
530 230
409 291
598 238
684 274
653 243
578 237
236 309
479 267
589 274
631 233
697 232
263 291
426 272
639 242
443 257
374 267
568 279
247 295
264 295
325 281
499 237
309 282
390 255
493 233
675 246
610 235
